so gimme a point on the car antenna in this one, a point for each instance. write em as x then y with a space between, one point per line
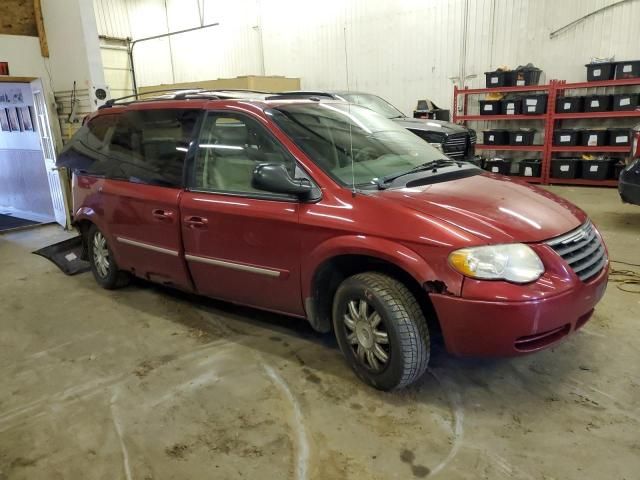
346 69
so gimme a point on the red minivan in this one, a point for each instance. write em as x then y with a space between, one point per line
330 212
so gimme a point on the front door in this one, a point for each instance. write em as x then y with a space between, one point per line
241 244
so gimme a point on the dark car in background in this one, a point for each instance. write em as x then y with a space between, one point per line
629 181
457 142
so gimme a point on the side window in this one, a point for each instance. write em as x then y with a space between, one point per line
86 150
229 149
149 146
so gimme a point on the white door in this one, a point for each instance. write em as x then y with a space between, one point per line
48 150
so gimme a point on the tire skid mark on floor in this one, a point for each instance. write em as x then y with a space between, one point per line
194 383
118 428
297 424
69 395
612 402
83 390
457 410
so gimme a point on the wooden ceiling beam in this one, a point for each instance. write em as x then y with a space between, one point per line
42 35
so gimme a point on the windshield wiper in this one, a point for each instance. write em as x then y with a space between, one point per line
432 165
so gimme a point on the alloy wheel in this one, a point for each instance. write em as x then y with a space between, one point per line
101 254
367 335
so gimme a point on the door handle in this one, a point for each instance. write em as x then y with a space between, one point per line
163 215
196 222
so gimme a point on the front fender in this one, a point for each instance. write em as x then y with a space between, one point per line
392 252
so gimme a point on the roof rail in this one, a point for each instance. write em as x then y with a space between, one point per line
299 94
115 101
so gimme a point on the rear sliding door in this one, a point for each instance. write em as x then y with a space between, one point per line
146 154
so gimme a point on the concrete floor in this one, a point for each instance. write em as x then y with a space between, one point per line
146 383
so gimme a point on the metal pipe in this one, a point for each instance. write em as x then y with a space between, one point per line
557 32
155 37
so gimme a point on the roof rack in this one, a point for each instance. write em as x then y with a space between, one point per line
180 94
207 94
299 94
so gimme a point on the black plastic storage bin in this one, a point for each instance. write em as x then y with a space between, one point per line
592 137
626 101
498 165
496 137
534 104
565 167
499 78
529 167
628 69
490 107
565 137
597 103
526 76
569 104
617 169
521 137
619 137
600 71
597 169
511 106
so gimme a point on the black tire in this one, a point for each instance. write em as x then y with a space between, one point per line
401 318
106 274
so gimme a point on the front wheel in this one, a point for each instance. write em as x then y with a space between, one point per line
381 330
103 265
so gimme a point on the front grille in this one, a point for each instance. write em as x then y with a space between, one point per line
583 250
456 145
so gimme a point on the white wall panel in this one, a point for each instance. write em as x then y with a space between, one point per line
403 50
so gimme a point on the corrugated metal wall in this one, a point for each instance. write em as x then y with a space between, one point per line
403 50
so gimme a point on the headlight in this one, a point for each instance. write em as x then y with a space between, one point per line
515 262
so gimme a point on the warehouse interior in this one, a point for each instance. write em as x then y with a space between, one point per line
472 316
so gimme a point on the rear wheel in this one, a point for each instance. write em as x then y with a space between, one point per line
103 264
381 330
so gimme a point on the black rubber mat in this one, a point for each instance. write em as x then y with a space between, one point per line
8 222
66 256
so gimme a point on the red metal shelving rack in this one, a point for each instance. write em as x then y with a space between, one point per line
545 118
554 88
560 86
517 148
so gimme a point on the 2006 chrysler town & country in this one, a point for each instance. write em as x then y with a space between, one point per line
330 212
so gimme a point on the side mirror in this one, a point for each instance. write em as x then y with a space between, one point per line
273 177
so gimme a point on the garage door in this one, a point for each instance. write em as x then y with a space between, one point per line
117 70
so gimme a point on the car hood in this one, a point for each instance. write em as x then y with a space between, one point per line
430 125
495 209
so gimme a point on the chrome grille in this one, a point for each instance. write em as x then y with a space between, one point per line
456 145
583 250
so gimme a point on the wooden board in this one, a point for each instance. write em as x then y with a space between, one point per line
42 36
18 18
10 79
251 82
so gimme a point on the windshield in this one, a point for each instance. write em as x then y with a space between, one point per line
375 103
329 132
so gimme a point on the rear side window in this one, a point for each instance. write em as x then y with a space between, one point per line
86 151
149 146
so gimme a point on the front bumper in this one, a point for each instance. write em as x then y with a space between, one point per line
503 328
